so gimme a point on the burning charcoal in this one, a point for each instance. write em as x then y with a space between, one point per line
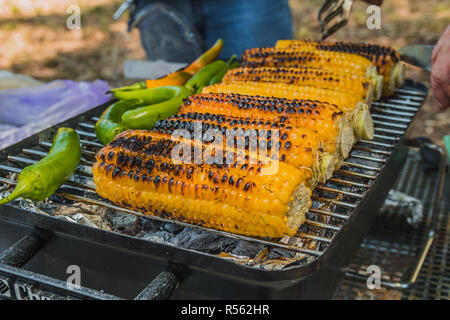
149 225
279 253
82 219
172 228
123 222
244 248
160 236
204 241
61 200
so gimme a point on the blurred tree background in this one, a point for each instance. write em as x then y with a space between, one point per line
35 40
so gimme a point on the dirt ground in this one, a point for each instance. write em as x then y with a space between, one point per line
35 41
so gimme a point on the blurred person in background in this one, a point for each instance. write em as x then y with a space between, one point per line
180 30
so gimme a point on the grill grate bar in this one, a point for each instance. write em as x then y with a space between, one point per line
351 183
361 166
409 97
347 193
328 213
409 91
358 156
336 202
389 130
83 151
397 113
43 154
379 136
91 143
380 116
394 106
409 103
356 174
322 225
313 237
394 125
362 148
87 125
86 134
376 143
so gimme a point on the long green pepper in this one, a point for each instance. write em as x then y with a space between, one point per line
40 180
164 102
110 123
203 77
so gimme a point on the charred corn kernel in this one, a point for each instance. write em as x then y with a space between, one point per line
293 57
326 79
386 59
299 147
328 120
136 171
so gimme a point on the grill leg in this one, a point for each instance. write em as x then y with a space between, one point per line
161 288
22 251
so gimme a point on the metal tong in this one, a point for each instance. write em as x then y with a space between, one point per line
333 15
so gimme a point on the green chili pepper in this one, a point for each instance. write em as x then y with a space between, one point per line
110 123
38 181
135 86
148 96
145 117
231 63
217 78
204 76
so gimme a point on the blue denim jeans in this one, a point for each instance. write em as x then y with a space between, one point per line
242 24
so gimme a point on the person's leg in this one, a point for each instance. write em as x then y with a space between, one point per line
244 24
167 30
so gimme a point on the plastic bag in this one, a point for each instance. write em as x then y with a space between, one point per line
25 111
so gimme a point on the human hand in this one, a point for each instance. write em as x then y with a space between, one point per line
440 70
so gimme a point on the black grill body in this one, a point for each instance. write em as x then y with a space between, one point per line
120 266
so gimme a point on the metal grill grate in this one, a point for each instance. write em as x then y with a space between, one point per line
334 201
396 247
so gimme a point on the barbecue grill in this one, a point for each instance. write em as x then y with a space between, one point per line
39 247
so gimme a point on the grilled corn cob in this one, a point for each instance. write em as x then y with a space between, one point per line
136 171
341 81
299 147
386 59
292 57
355 109
327 119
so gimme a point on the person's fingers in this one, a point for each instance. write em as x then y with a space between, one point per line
435 53
441 93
